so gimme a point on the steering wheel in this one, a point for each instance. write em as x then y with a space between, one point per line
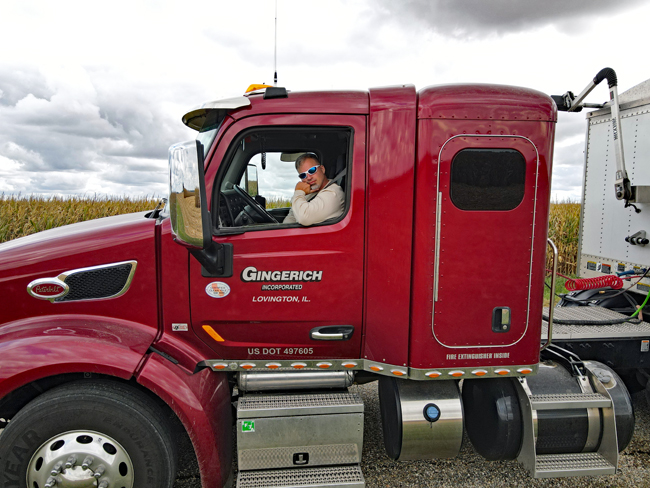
259 214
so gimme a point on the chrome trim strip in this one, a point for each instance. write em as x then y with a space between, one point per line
468 372
532 246
436 264
285 365
124 289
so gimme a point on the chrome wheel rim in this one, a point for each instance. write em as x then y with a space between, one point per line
80 459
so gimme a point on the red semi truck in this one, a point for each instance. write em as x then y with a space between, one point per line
212 312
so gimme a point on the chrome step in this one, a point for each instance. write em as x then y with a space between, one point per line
334 476
257 406
568 401
577 464
603 421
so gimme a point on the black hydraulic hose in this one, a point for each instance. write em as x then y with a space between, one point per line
593 322
606 73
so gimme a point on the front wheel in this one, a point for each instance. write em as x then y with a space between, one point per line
96 434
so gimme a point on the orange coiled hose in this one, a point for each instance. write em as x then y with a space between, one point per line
612 281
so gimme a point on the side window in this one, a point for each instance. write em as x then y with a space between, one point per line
487 179
255 185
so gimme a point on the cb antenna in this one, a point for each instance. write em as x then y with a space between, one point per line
275 52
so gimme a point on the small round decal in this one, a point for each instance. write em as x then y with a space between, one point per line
217 289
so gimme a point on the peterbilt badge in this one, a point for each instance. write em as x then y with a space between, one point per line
48 289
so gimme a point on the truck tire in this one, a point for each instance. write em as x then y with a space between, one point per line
120 430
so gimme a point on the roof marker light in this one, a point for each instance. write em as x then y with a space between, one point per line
255 87
213 333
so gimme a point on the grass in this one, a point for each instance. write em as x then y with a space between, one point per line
559 288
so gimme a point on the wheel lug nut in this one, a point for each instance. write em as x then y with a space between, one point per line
87 462
56 469
71 461
50 483
99 471
103 484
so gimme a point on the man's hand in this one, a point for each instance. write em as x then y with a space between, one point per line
304 187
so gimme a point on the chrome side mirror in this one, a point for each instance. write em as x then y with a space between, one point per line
188 211
187 208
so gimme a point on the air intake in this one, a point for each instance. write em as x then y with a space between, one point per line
98 282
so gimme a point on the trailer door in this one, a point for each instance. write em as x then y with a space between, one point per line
484 237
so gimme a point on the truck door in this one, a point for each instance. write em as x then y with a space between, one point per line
295 291
484 235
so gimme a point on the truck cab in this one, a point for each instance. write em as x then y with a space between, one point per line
380 271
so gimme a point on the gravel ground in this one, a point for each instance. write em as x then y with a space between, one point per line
468 469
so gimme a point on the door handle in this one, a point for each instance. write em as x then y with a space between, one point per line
332 333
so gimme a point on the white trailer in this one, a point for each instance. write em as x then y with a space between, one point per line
613 236
599 321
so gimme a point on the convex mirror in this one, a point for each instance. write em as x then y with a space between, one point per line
189 216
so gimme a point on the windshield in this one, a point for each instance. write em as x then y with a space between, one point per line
207 138
213 120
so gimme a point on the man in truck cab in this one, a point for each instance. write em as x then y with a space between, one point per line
316 198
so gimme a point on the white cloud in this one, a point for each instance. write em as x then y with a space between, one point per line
93 96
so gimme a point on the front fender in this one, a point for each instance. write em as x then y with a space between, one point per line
202 403
40 347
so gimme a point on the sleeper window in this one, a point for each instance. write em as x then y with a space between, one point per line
487 179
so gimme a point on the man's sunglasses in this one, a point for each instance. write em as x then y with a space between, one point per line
310 171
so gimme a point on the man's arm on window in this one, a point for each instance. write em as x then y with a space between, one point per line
325 205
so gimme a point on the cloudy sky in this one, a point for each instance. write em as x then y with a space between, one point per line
92 93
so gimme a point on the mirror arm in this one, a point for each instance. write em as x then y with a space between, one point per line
216 260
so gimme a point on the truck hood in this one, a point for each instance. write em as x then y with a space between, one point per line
84 238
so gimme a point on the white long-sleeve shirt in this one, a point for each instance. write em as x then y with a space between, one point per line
328 203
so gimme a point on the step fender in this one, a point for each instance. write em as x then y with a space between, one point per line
202 403
623 407
41 347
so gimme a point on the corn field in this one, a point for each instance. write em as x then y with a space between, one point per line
24 216
563 230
